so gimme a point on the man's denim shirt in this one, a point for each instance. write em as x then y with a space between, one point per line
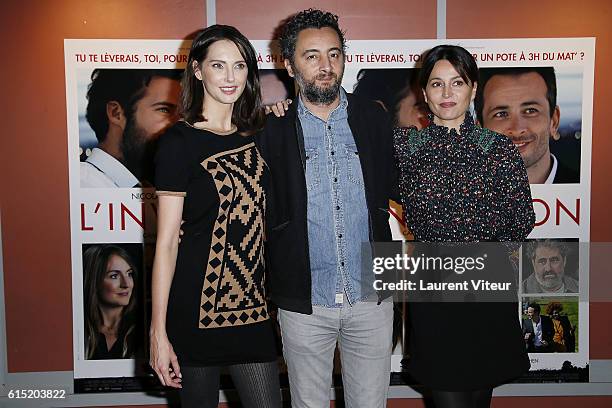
337 209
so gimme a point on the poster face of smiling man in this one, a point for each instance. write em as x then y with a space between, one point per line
521 103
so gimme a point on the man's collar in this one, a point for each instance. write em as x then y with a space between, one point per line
112 168
553 171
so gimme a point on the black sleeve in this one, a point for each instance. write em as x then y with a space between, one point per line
389 154
384 140
260 142
171 164
401 155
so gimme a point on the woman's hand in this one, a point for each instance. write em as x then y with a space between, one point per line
164 361
278 108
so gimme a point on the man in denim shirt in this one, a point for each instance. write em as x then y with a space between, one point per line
322 212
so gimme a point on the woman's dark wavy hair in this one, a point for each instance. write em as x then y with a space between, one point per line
95 261
460 58
248 114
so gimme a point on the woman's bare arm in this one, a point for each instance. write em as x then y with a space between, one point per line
163 359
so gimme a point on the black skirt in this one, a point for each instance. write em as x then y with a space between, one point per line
465 346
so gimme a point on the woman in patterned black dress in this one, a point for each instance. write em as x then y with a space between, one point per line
462 183
208 306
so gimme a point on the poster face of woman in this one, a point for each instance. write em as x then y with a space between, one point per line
111 305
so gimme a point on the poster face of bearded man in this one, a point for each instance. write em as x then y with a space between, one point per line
128 110
153 114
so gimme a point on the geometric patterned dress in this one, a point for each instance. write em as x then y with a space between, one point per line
217 312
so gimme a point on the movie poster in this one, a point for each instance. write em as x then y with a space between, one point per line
113 205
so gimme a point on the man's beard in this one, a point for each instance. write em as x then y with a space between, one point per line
138 150
317 94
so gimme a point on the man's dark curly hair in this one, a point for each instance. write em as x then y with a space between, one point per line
311 18
560 246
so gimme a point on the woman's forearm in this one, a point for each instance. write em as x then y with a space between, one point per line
163 272
169 216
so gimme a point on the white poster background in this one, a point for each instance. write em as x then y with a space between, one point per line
571 57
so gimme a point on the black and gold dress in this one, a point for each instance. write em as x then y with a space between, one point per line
217 312
466 186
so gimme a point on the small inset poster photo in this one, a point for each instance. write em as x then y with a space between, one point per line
112 301
550 266
550 325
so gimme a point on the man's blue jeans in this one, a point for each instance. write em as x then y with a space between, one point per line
363 332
